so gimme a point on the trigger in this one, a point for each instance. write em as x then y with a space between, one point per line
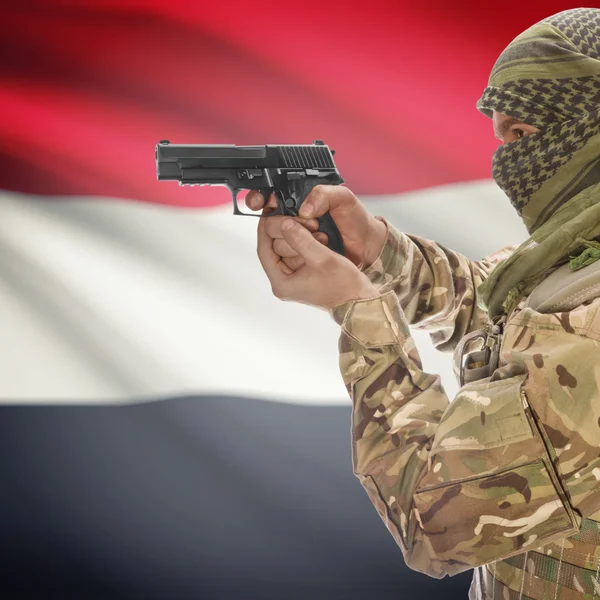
279 208
265 194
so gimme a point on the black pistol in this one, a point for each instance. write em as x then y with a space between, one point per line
289 172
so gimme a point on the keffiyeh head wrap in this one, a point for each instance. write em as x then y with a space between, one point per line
548 77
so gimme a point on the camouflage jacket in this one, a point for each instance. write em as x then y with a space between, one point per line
513 462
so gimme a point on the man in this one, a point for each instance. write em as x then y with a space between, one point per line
505 478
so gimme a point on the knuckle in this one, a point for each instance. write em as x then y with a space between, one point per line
347 195
318 192
284 250
294 262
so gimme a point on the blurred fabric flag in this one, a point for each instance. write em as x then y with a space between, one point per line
116 289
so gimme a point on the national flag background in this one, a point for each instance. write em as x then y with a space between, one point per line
169 429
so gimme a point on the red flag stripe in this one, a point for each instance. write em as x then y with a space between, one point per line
91 87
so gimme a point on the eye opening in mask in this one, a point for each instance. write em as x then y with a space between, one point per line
511 129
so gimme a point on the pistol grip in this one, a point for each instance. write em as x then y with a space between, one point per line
327 225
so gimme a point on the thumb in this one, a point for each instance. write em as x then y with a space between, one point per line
325 198
302 241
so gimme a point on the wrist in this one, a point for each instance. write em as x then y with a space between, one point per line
375 242
366 291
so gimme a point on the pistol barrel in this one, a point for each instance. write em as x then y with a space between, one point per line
173 159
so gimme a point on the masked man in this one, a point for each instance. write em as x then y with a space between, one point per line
505 478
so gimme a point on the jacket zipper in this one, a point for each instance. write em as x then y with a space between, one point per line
552 456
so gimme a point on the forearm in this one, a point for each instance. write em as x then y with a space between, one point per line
436 287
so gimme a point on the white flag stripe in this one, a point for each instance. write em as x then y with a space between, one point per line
114 301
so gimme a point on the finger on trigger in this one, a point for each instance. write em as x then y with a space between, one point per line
272 203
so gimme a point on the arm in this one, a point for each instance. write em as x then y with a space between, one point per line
436 286
463 484
457 485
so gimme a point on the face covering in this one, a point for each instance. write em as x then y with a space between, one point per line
548 77
542 171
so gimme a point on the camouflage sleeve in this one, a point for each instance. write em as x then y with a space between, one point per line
457 484
436 286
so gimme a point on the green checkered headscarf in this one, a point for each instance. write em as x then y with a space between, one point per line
548 77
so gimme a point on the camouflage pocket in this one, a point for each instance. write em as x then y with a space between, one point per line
484 414
491 490
474 521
